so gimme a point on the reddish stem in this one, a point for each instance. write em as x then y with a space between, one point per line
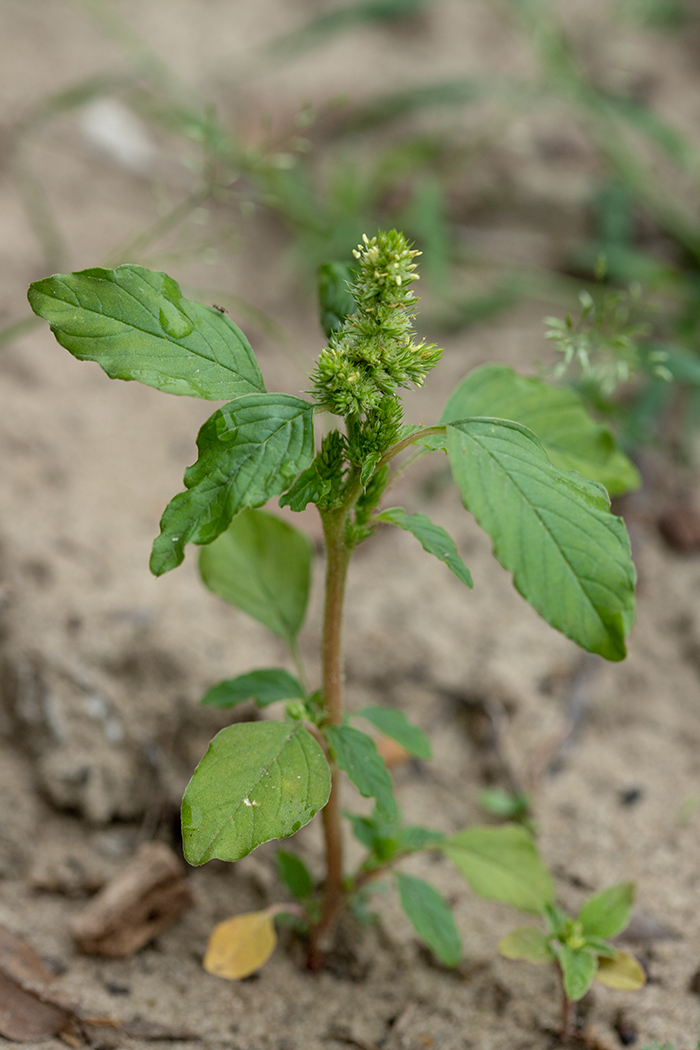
337 560
566 1027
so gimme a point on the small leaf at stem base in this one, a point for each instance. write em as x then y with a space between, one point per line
294 874
431 918
578 969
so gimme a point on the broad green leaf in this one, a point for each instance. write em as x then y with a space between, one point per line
432 539
356 753
622 972
261 565
607 913
502 864
430 917
552 529
258 781
527 942
334 297
578 968
264 687
294 874
249 451
241 945
572 439
393 723
137 325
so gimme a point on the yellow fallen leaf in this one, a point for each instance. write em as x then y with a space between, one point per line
622 972
241 945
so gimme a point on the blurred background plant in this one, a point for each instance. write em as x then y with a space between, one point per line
329 172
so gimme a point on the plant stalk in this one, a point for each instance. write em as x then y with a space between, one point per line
566 1027
337 561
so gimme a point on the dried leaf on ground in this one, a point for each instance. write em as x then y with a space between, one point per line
28 1011
142 901
241 945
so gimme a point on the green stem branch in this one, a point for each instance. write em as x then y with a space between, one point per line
410 439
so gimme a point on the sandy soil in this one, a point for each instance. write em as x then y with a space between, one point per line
102 667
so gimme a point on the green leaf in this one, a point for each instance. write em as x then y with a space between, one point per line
432 538
607 913
334 297
309 487
430 917
294 874
264 687
600 947
394 723
261 565
387 839
557 920
258 781
356 753
413 838
527 942
572 439
377 835
569 556
502 864
249 450
503 803
579 970
137 325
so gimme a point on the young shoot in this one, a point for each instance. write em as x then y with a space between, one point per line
530 465
580 948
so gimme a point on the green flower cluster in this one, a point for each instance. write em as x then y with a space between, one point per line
373 353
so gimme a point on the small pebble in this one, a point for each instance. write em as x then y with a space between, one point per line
629 796
117 989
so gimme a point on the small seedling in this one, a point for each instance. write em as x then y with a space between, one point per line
580 947
551 527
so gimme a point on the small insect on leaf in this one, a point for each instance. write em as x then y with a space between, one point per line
622 972
241 945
